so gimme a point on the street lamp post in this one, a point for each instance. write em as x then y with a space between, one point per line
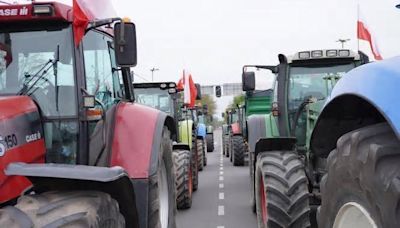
152 73
342 41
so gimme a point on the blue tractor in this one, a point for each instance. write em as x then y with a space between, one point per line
356 144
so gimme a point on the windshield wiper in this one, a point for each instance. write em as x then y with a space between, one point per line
40 74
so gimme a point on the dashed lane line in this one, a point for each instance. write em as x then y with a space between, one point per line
221 196
221 210
221 185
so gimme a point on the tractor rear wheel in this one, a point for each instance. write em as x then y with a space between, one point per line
195 169
361 187
226 142
200 151
281 191
210 142
238 150
184 182
63 209
162 198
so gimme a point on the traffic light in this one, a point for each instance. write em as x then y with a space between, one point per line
218 91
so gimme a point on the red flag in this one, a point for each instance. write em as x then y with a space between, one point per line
363 33
81 22
190 92
85 11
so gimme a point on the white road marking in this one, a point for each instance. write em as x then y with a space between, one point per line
220 226
221 210
221 164
221 185
221 172
221 178
221 196
221 168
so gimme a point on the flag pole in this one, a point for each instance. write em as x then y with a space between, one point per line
358 20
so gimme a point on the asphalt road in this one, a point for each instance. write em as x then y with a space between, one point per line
223 199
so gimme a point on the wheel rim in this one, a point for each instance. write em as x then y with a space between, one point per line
164 196
263 200
353 215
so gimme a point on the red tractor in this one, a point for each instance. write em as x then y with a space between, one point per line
74 149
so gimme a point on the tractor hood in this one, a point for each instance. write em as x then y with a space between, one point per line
21 140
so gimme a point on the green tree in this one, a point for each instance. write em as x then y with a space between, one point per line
210 102
237 100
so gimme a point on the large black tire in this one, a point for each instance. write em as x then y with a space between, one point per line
281 191
200 152
205 153
363 169
184 181
230 149
238 150
63 209
226 143
195 168
157 216
210 142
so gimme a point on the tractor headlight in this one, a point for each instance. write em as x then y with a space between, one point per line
163 86
42 9
317 54
304 55
171 90
344 53
331 53
172 85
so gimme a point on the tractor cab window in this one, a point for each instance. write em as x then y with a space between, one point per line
307 82
39 64
102 80
156 98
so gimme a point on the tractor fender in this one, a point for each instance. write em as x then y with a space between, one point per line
236 129
64 177
261 126
180 146
137 138
275 144
201 131
366 95
185 132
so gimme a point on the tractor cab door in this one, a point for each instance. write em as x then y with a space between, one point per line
106 85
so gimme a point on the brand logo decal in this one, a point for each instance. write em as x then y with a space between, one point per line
14 12
33 137
3 146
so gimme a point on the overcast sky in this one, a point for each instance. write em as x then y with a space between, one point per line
213 39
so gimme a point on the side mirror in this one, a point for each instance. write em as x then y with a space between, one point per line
198 88
125 44
248 81
218 91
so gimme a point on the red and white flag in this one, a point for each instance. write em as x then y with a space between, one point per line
364 33
189 89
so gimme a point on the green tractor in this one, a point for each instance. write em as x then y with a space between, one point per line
163 96
285 173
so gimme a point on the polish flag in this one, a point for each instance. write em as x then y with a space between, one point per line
189 89
364 33
85 11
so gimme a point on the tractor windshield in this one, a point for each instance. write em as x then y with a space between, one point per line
156 98
39 64
310 81
305 82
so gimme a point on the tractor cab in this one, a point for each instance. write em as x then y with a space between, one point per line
158 95
43 60
303 83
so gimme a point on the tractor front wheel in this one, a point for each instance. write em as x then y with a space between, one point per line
184 180
63 209
361 187
281 191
